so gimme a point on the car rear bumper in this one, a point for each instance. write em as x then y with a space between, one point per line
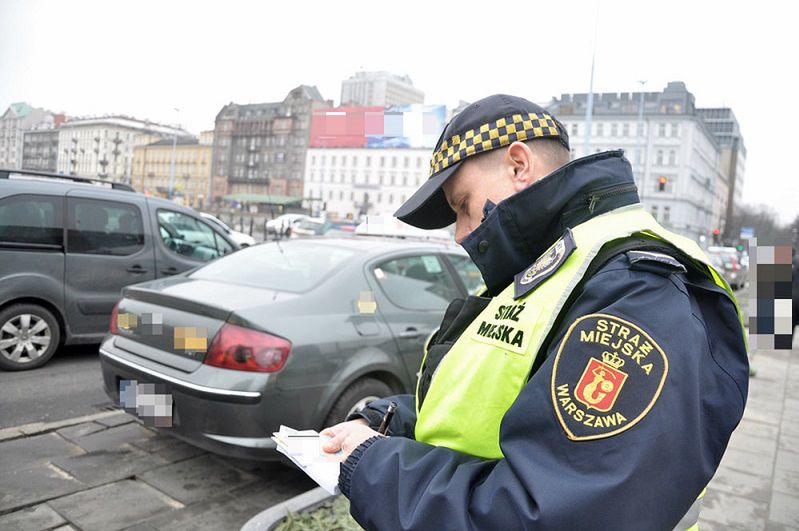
234 423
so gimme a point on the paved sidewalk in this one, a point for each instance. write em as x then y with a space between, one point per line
108 471
757 485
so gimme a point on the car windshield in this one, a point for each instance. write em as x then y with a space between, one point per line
295 267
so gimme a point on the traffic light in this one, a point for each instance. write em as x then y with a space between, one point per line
662 183
716 234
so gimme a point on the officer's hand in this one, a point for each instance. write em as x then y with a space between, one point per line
347 436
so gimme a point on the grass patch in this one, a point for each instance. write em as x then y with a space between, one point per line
333 515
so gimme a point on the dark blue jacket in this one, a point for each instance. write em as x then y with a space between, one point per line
646 477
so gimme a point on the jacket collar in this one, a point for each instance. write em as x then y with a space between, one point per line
519 229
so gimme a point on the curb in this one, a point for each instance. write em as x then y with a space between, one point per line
268 519
36 428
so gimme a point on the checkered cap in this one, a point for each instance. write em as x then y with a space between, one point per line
490 123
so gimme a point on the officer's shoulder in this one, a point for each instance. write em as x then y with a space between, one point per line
659 263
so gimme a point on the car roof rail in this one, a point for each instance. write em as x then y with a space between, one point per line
36 174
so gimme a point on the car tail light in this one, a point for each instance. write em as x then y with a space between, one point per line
114 327
243 349
734 264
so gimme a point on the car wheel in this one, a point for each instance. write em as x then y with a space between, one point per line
29 336
356 397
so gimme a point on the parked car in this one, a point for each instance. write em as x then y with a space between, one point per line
731 263
243 240
322 227
299 332
68 245
284 223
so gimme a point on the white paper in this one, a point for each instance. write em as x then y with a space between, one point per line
304 449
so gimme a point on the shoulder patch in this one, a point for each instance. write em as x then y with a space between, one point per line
655 262
607 375
544 266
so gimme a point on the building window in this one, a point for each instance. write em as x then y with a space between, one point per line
382 162
341 195
659 158
406 162
379 197
655 211
368 161
600 129
575 129
419 162
666 214
662 130
322 160
313 159
672 159
330 194
333 160
675 130
614 130
625 130
404 180
352 196
393 178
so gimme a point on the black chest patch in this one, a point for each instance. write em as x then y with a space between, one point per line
545 266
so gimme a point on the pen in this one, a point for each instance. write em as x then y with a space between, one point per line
387 418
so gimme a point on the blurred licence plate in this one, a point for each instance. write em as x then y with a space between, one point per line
149 401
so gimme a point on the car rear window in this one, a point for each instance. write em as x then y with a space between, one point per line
294 266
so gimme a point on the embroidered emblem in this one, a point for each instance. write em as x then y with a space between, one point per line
545 266
607 375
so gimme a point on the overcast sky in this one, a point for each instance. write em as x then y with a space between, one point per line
145 58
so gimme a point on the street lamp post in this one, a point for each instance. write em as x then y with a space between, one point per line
639 154
171 192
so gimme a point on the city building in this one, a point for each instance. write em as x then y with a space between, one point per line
18 118
369 160
381 89
103 146
40 150
676 158
351 182
725 127
259 149
152 168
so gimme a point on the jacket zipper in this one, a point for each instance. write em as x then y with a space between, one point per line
616 190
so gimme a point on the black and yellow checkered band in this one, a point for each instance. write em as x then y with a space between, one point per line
492 135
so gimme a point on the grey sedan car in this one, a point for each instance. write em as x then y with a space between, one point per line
299 332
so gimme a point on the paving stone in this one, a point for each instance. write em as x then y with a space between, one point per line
789 442
758 429
784 509
25 486
169 448
748 462
117 419
787 461
74 432
786 481
775 526
9 433
31 519
113 437
733 512
196 479
65 528
763 415
29 451
104 466
220 512
759 445
750 486
114 506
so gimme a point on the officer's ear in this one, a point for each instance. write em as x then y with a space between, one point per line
523 164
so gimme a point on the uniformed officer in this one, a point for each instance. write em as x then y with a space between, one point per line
593 386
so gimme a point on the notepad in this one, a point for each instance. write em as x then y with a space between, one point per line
304 449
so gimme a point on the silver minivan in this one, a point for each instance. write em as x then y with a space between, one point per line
68 245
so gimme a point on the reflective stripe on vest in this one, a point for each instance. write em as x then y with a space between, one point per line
482 375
